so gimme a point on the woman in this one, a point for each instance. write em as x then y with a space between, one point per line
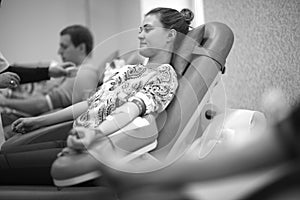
133 91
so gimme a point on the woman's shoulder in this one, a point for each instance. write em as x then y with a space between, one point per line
136 68
130 69
126 67
166 68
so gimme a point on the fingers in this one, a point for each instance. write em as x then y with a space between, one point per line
15 77
18 126
75 143
66 151
63 69
12 80
80 138
66 65
71 71
59 70
15 123
74 133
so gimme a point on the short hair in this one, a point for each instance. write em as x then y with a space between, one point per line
79 34
173 19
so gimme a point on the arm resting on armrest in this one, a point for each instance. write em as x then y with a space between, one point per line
114 122
67 114
119 118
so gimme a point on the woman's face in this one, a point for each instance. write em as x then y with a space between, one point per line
153 37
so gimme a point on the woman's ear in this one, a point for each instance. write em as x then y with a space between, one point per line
172 35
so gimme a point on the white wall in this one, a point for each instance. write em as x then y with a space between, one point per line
30 29
103 24
115 24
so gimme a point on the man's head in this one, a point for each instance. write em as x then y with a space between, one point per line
76 42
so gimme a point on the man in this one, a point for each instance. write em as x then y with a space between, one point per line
76 43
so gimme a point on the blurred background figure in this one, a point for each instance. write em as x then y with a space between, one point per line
76 43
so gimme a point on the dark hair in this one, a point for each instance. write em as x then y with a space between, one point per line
79 34
172 19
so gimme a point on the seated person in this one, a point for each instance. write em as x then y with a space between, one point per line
76 44
134 90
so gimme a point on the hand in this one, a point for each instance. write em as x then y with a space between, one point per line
80 138
25 125
62 69
9 80
67 151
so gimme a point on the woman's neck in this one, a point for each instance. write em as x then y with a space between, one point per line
162 58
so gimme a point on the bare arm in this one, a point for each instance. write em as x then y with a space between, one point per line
120 118
117 120
67 114
63 115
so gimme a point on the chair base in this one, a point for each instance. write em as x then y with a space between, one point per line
77 179
96 173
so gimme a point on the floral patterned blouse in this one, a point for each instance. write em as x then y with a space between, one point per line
156 87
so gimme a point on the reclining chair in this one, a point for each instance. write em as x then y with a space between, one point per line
198 61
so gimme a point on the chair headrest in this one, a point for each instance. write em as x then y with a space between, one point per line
183 52
202 41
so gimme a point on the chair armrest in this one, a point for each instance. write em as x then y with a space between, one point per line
51 133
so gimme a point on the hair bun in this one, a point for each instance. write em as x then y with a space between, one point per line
188 15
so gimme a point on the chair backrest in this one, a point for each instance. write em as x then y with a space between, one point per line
198 60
